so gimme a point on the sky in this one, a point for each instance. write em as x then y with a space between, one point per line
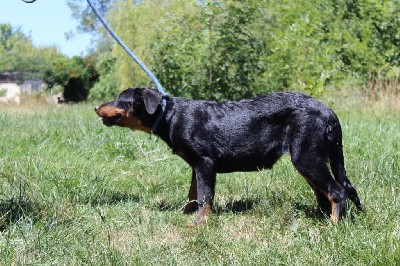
46 21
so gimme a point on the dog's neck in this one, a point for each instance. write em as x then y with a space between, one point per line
160 126
161 113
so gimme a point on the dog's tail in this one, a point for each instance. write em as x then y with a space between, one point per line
334 137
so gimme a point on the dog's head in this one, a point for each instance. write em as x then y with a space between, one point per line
133 108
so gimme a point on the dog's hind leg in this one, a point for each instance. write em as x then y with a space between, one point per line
339 172
318 176
192 205
323 203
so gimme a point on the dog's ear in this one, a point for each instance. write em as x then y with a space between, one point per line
152 100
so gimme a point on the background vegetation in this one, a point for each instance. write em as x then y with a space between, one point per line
233 49
224 49
76 75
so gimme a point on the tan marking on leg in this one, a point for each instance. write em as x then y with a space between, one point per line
202 214
335 211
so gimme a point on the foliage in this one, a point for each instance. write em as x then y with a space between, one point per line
8 35
297 57
232 49
213 53
83 12
108 85
125 17
17 53
228 49
239 47
77 75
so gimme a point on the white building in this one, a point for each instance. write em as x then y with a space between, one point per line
13 85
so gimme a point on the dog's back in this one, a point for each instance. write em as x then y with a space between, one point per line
249 134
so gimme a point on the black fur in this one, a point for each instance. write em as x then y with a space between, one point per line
248 135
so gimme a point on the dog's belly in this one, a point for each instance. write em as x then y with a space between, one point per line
249 163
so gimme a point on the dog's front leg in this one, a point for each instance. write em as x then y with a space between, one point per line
205 176
192 205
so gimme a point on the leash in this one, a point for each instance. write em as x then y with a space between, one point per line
165 95
127 50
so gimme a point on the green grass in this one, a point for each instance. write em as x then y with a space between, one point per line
74 192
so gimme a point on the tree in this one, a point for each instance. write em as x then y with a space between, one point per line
83 13
77 75
224 49
211 50
18 54
239 46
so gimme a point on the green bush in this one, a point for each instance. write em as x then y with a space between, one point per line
17 53
77 75
233 49
214 52
107 85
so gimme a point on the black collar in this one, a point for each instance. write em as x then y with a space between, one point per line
164 99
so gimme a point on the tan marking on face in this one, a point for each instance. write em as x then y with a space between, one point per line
107 111
134 123
127 119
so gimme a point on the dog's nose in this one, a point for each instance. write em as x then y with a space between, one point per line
96 108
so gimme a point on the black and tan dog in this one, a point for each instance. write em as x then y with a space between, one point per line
247 135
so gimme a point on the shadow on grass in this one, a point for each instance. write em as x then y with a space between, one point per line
14 210
314 212
246 205
309 211
237 206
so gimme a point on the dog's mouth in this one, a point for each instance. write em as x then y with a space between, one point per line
112 121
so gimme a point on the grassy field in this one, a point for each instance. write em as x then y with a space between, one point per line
73 192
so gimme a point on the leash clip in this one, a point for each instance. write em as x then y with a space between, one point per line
164 98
